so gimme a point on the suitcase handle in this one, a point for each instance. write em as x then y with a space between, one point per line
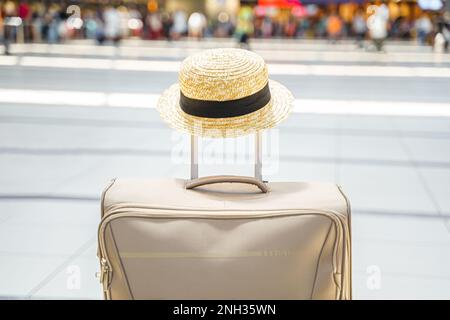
191 184
258 156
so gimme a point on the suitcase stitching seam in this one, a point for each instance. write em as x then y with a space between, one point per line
102 212
319 259
121 264
104 196
349 254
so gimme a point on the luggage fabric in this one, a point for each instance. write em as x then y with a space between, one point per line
160 240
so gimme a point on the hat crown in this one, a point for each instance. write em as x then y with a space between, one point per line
222 74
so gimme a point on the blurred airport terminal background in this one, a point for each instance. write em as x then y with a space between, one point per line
58 21
78 90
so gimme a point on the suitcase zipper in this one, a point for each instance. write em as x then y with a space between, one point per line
105 276
135 210
105 270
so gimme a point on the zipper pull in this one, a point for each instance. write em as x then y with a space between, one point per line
104 272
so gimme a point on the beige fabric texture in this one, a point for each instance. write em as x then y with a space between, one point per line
158 240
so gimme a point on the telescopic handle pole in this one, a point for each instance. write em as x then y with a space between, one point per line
258 156
194 157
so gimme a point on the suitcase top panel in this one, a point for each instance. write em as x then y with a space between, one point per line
171 193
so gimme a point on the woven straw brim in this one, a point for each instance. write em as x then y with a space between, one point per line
267 117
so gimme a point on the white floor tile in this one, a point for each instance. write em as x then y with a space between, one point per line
423 149
73 137
77 175
424 124
117 167
22 273
400 257
305 171
21 174
76 281
400 250
398 286
372 148
307 145
44 238
384 188
310 121
438 181
411 252
410 230
365 122
51 213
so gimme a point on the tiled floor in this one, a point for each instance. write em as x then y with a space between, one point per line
49 197
42 238
56 159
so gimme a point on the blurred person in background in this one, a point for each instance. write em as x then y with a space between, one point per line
346 12
224 27
446 33
64 30
404 28
210 28
52 22
87 30
378 24
267 28
321 26
132 20
424 28
278 28
167 24
244 27
124 18
302 26
37 22
290 29
112 20
99 27
1 22
2 29
359 27
442 37
179 27
196 25
24 13
8 11
154 25
334 27
90 24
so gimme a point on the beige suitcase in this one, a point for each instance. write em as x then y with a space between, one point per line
224 237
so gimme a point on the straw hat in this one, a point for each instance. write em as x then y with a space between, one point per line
224 93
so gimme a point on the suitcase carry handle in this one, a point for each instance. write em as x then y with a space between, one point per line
258 157
221 179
